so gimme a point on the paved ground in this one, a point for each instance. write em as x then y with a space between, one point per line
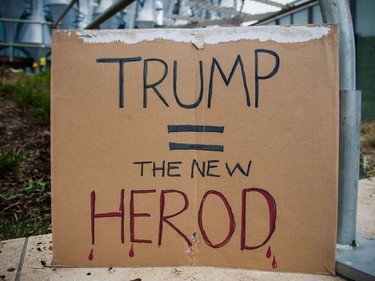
29 259
366 207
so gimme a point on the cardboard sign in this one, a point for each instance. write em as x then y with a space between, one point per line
196 147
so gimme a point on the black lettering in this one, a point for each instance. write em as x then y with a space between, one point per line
271 74
227 80
142 164
173 166
239 167
153 85
121 62
210 166
162 169
198 101
201 171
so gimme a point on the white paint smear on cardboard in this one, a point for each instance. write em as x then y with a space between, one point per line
199 37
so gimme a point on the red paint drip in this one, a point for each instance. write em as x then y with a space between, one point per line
269 252
274 263
91 255
131 252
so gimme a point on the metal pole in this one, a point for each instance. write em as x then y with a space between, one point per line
24 45
337 11
11 54
111 11
67 9
26 21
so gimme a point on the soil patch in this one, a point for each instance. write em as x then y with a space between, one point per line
20 131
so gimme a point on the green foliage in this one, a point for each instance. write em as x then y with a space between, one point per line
24 203
370 137
365 163
34 224
13 227
42 111
31 93
367 157
14 127
11 160
35 189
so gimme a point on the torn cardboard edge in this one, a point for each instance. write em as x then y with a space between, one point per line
200 37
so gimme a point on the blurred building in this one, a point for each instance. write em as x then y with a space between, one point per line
25 25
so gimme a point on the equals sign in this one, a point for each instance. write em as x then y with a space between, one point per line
195 129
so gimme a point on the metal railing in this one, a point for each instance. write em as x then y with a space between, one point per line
17 44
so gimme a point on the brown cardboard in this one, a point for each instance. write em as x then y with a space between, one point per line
278 213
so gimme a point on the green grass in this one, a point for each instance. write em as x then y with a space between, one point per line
35 189
367 157
11 161
21 225
24 208
12 227
370 137
366 165
31 93
15 128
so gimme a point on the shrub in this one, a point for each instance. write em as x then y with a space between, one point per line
13 227
31 93
11 160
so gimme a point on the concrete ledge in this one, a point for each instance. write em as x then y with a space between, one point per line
10 256
358 263
36 266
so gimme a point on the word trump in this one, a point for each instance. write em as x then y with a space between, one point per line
215 65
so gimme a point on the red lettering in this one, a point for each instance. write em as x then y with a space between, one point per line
94 215
134 215
272 215
164 218
232 223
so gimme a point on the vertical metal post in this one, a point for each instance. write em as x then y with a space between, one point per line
63 14
42 26
111 11
337 11
11 49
